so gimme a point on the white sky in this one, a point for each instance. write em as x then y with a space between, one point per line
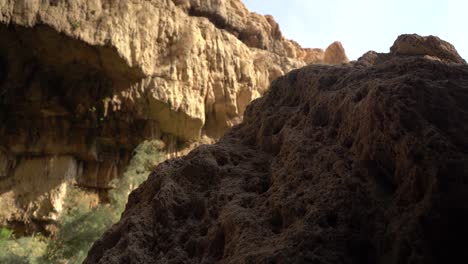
363 25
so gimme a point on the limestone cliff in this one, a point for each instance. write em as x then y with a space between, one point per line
358 163
83 82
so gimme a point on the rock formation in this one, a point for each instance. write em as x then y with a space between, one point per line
428 46
83 82
358 163
335 54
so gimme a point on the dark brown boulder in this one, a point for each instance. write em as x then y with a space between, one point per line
335 164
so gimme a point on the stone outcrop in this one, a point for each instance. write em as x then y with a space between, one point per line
83 82
357 163
429 46
254 30
335 54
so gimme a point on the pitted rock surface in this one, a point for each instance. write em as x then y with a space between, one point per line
357 163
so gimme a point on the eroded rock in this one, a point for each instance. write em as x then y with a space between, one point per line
426 46
335 164
89 80
335 54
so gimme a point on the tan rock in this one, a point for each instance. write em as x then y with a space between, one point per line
191 57
335 54
37 188
90 79
415 45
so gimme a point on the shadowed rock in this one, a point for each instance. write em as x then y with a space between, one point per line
335 164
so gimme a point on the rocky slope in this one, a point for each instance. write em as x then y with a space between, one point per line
358 163
83 82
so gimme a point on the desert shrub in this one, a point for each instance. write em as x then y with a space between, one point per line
26 250
81 225
146 157
5 235
78 229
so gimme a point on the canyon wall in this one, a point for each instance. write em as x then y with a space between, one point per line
83 82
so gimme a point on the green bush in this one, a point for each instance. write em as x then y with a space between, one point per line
146 157
81 225
27 250
5 235
78 229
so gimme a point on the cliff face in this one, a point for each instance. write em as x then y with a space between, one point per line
83 82
357 163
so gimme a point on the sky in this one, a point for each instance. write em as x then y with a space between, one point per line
363 25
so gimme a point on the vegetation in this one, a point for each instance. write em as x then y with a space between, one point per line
79 228
21 251
75 24
81 225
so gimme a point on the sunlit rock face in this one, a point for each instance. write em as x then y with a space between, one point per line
430 46
363 162
335 54
83 82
